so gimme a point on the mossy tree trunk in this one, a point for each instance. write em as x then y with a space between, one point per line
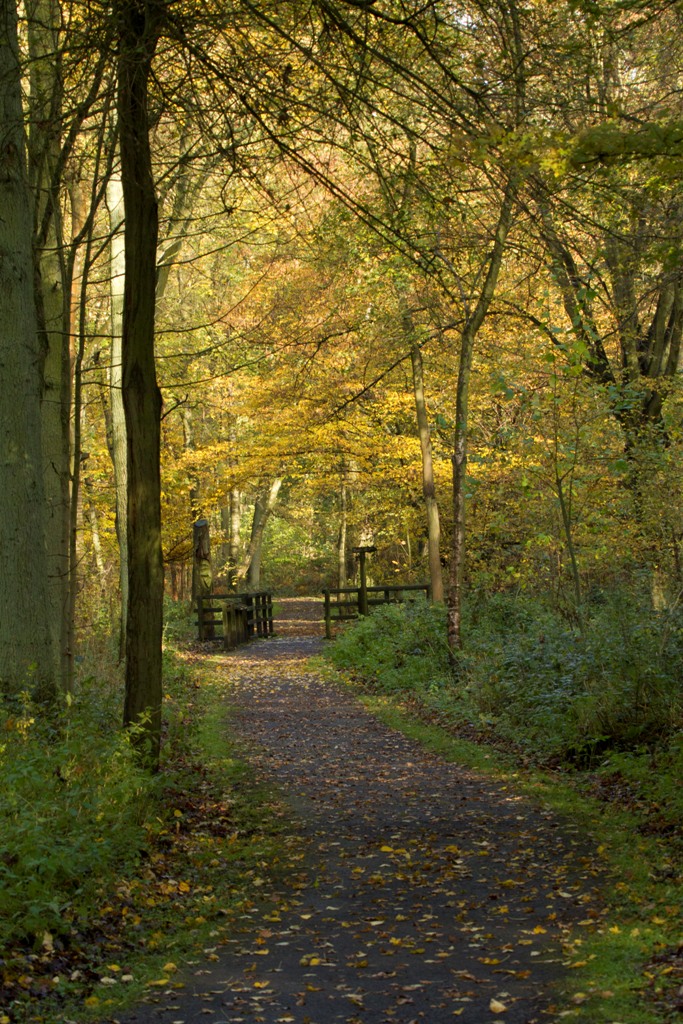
26 651
53 312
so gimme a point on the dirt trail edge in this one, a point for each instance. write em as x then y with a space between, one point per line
430 894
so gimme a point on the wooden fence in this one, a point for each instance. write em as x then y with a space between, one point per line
234 617
345 602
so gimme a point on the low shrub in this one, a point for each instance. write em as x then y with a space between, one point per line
72 809
397 648
526 673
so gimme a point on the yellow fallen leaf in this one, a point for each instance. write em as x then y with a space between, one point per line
158 983
495 1006
169 968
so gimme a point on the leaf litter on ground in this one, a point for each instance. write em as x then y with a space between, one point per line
429 893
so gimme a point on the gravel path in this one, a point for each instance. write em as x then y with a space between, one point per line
429 894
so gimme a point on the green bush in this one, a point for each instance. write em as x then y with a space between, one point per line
397 648
528 674
72 808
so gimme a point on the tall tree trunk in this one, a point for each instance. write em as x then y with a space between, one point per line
26 657
230 521
428 486
343 523
263 506
141 395
45 104
473 322
77 292
119 444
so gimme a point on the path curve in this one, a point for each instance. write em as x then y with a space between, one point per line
430 894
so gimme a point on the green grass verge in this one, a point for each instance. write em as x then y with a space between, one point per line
621 972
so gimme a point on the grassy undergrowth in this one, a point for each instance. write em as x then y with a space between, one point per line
129 876
623 791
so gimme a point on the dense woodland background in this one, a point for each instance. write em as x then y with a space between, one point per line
404 274
339 270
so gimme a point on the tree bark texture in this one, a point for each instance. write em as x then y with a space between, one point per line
119 444
141 395
26 657
53 311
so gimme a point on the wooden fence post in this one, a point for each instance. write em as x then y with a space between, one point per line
200 617
328 621
226 626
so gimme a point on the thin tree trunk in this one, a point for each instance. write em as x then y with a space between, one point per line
569 539
469 334
119 444
91 514
428 486
341 542
77 287
26 656
141 395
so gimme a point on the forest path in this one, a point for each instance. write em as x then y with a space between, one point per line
428 893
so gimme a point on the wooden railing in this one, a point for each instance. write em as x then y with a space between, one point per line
234 617
345 602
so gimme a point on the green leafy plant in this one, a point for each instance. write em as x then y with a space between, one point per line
72 809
